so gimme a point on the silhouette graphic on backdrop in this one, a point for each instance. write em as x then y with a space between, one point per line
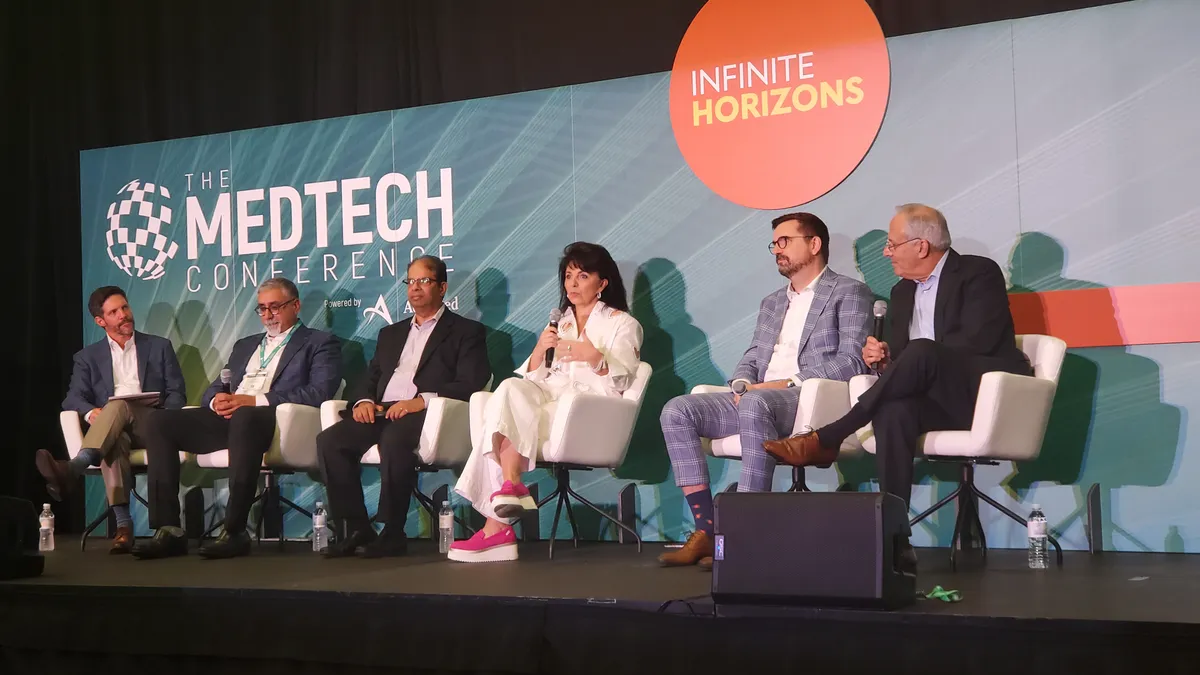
342 322
198 358
507 343
680 355
1109 424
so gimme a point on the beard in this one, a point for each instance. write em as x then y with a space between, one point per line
787 268
125 327
273 329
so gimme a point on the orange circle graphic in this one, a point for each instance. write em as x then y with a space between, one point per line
775 102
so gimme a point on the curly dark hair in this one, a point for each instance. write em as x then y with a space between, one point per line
593 259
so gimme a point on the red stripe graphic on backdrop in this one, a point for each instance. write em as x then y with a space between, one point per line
1108 317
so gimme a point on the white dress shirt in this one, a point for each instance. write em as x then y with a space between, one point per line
924 302
251 385
785 358
401 387
126 379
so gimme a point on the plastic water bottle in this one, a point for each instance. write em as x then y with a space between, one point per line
320 535
445 528
1037 539
46 529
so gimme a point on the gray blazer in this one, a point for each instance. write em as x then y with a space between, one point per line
834 334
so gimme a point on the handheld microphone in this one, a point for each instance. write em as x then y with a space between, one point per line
226 378
880 312
555 315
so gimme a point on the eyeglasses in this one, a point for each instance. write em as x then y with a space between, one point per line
782 242
889 246
423 281
273 308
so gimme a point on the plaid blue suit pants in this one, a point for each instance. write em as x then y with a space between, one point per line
760 415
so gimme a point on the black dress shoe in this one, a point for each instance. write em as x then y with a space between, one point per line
346 547
164 544
386 546
227 546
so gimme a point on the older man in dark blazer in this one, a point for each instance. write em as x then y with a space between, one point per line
949 324
435 353
289 363
107 384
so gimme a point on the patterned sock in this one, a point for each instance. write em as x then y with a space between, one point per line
702 510
87 457
121 513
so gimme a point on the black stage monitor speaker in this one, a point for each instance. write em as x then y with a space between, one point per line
19 556
833 549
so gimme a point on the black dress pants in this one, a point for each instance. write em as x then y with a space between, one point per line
247 434
340 449
930 387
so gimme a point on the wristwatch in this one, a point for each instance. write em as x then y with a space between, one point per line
740 386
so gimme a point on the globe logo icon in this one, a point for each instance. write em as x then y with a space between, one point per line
136 222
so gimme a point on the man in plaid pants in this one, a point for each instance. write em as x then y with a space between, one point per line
814 327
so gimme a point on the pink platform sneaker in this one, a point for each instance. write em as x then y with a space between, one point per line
499 547
512 500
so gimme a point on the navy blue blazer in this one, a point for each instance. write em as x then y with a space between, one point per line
309 370
92 376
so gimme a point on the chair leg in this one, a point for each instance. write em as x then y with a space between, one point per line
562 498
960 515
295 507
139 498
798 483
564 489
607 516
217 525
92 527
968 502
1002 509
931 510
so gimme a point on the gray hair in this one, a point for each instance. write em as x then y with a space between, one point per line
926 222
282 283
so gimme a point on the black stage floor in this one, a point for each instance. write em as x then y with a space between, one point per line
591 609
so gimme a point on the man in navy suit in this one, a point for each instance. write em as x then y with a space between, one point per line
289 363
124 363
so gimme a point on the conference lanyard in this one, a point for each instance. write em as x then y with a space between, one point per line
263 357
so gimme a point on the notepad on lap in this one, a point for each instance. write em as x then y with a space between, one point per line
144 397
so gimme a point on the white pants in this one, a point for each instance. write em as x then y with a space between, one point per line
521 410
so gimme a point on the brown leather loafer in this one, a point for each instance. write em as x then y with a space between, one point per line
698 546
57 474
123 542
801 450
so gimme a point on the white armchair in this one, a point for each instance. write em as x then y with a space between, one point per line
294 448
589 431
821 402
72 430
445 441
1010 420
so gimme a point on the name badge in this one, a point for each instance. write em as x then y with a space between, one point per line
254 383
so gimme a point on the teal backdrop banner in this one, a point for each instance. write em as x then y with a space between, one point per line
1063 146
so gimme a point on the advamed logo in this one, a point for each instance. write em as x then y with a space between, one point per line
137 220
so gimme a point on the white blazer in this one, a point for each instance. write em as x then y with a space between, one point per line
618 337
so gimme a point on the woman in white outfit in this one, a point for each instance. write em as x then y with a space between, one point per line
597 350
